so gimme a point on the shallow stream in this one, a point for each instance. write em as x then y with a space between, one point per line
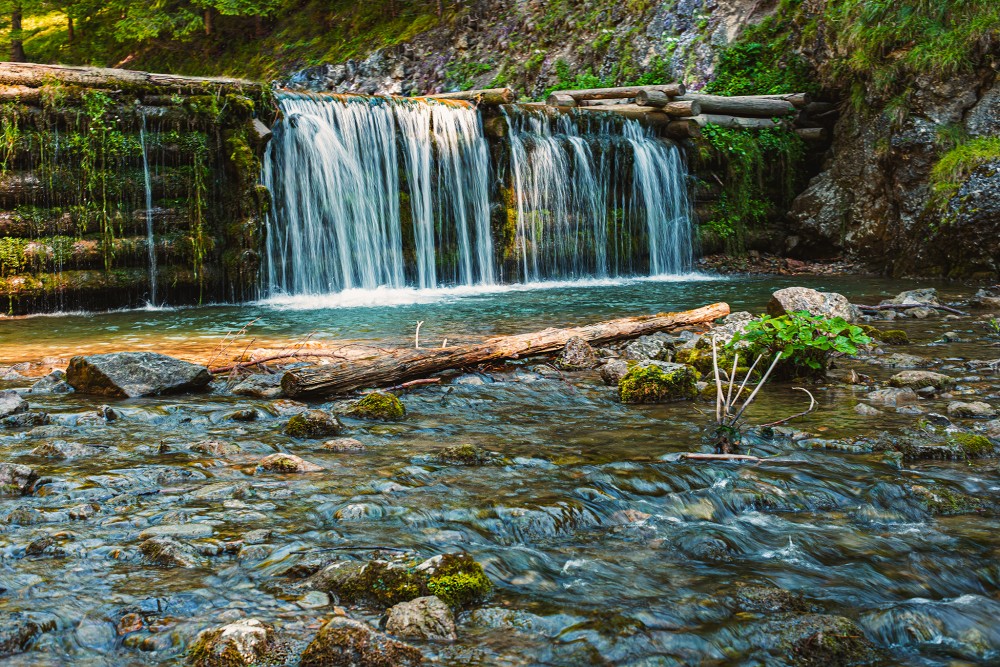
605 548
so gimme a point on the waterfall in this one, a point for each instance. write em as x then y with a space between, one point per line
337 168
596 195
150 239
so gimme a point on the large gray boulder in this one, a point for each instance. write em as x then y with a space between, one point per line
578 355
53 383
423 618
11 403
133 374
260 386
822 304
921 379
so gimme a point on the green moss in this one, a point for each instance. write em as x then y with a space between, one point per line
957 165
459 581
944 501
886 336
313 424
653 384
377 406
972 445
466 455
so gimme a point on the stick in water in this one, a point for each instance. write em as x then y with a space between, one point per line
416 336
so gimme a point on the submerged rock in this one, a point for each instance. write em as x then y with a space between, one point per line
16 479
917 297
134 374
313 424
423 618
945 502
344 445
64 450
973 410
899 360
169 552
466 455
242 643
344 642
377 406
818 640
767 599
216 448
259 386
920 379
53 383
613 371
658 382
287 463
18 630
578 355
11 403
822 304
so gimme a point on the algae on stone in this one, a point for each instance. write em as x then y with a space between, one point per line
377 406
658 383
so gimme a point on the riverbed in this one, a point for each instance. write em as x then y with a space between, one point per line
604 547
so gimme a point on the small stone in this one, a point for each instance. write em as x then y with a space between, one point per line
287 463
577 355
169 552
53 383
26 420
892 397
64 450
239 644
129 623
916 297
216 448
377 406
974 410
313 424
647 348
84 511
16 479
11 403
314 600
344 445
866 410
423 618
259 386
186 531
613 371
918 379
259 536
243 416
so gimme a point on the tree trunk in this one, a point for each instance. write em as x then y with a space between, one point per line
742 106
394 368
35 76
671 89
16 38
70 34
209 25
488 97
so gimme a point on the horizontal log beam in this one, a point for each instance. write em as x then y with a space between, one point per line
36 75
742 106
671 89
732 122
392 369
487 97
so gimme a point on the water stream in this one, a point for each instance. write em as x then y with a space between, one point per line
150 239
605 548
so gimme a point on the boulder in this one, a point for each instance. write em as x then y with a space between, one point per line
134 374
377 406
986 299
918 297
658 382
816 639
645 348
613 371
993 429
286 463
823 304
866 410
344 445
244 642
169 552
11 403
899 360
313 424
16 479
344 642
921 379
64 450
260 386
18 629
973 410
53 383
578 355
893 397
732 324
423 618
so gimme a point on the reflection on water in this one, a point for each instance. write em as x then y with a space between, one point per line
605 547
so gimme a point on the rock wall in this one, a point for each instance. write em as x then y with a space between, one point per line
76 148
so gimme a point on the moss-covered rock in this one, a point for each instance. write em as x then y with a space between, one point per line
886 336
467 455
818 640
457 579
943 501
313 424
344 642
240 644
377 406
658 382
972 445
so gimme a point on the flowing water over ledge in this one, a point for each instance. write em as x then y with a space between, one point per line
604 547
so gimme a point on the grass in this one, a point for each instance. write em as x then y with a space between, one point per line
958 164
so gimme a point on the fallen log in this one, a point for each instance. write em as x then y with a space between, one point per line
650 115
560 100
395 368
36 75
814 135
747 105
733 122
669 105
671 89
798 100
487 97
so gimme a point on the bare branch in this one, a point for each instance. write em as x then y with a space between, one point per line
760 384
718 383
812 406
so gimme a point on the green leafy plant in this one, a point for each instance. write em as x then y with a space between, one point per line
805 341
993 326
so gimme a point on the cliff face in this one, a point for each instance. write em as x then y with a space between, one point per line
910 184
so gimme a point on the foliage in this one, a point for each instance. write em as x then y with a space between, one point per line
804 340
761 173
956 165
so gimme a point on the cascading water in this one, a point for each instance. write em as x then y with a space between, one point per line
339 219
150 239
597 196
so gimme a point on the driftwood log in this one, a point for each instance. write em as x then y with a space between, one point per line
395 368
487 97
34 76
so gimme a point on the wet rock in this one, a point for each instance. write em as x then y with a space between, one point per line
958 446
64 450
217 448
993 429
892 397
50 431
467 455
344 445
344 642
866 410
899 360
83 511
313 424
314 600
184 531
258 536
658 382
249 415
920 379
16 479
732 324
259 386
286 406
577 355
169 552
11 403
973 410
423 618
887 336
818 640
377 406
134 374
920 313
53 383
26 420
18 630
823 304
241 643
287 463
767 599
917 297
129 623
647 348
613 371
945 502
40 546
